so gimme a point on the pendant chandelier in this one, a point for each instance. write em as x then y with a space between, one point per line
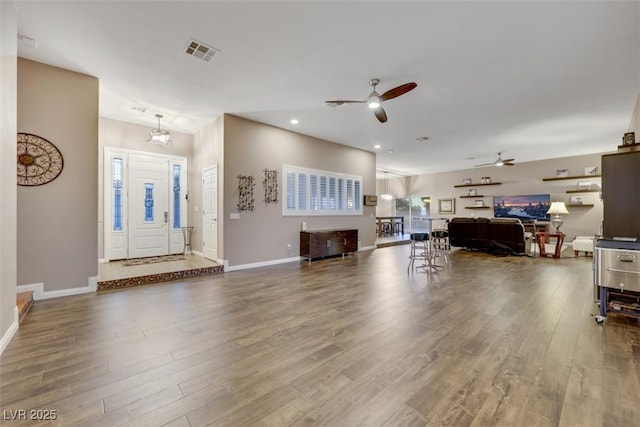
158 136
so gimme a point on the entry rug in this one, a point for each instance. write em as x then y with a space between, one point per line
151 260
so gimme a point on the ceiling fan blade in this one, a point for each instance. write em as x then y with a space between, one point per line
508 164
508 160
484 164
397 91
380 114
339 102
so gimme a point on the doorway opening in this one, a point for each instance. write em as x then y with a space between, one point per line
145 206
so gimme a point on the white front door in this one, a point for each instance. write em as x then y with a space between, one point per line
210 213
148 206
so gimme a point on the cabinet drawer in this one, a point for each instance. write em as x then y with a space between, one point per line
620 269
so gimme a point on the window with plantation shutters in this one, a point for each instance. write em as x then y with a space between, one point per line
316 192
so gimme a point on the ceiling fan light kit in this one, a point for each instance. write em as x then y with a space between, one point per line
374 100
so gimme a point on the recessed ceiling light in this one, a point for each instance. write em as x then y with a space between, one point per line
294 121
390 151
377 146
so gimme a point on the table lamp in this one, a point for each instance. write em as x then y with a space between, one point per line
557 208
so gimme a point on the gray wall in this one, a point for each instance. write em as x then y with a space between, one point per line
520 179
8 126
57 239
263 235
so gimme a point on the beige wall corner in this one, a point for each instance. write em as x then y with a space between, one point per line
57 238
8 129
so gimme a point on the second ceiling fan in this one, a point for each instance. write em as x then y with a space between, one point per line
375 100
498 162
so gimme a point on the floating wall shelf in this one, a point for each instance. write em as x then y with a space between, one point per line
476 185
561 178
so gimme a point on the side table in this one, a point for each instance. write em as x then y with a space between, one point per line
541 238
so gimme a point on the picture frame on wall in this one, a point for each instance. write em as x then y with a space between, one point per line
466 181
370 200
446 206
562 173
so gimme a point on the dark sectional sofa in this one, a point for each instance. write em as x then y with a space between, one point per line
503 235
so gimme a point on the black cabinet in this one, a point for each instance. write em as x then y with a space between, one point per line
323 243
621 195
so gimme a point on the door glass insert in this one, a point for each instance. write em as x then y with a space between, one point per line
148 202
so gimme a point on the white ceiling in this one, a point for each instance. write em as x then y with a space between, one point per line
534 80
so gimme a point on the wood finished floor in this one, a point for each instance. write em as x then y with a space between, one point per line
488 341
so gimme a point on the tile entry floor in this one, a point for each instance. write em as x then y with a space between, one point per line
114 270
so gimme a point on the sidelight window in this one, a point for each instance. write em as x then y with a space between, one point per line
116 172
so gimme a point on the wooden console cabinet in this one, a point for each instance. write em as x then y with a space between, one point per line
323 243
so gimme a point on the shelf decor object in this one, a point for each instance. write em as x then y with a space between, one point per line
39 160
270 186
629 138
557 208
245 193
591 171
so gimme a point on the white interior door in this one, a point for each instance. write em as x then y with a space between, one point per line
210 213
148 206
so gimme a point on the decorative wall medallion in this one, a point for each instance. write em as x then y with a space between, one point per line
39 161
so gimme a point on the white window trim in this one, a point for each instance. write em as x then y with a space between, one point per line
355 209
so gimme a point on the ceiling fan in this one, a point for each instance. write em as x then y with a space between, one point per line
375 100
498 162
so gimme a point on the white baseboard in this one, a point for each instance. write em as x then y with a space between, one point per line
39 293
6 338
368 248
258 264
102 261
198 253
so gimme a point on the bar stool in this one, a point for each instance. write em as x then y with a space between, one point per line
421 250
387 228
441 240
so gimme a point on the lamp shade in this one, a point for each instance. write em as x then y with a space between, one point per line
558 208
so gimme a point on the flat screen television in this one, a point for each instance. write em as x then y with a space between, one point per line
525 208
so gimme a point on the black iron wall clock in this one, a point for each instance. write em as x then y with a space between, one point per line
39 161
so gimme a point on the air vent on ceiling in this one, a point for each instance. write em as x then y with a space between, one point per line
199 50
